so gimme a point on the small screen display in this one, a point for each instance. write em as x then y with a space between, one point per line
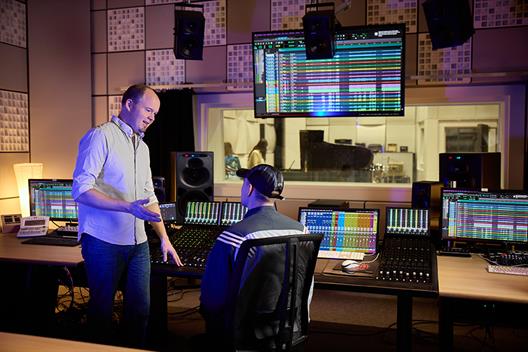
34 223
168 211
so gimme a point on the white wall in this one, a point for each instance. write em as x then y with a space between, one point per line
59 82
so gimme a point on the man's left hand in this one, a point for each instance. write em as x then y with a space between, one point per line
169 253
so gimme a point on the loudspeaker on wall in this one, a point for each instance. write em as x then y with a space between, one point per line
192 179
450 22
319 33
189 29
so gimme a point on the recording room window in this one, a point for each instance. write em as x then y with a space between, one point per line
377 150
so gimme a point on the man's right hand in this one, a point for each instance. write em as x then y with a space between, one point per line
139 211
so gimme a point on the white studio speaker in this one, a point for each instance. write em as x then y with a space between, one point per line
10 223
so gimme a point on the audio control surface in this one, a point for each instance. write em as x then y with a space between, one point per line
407 259
193 244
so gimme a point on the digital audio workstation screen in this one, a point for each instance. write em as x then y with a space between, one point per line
232 212
202 213
364 78
407 221
490 216
49 197
350 230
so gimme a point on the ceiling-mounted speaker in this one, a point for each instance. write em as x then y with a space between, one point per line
189 29
450 22
319 32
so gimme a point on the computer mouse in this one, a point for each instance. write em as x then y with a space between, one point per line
349 264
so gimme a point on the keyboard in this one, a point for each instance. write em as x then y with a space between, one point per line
53 241
68 231
341 255
509 270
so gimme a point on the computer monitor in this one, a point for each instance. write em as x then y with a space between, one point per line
364 78
53 198
344 230
485 216
407 221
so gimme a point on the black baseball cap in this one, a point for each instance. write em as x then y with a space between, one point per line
265 178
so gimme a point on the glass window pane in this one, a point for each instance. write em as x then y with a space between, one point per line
394 150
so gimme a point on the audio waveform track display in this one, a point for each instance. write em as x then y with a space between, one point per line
232 212
500 216
214 213
51 197
203 213
351 230
407 221
364 78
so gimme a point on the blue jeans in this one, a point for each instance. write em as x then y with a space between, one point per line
108 265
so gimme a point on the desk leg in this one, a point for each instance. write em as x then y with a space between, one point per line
445 325
157 329
404 323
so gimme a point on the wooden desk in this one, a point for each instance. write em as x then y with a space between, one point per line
30 273
403 291
467 278
13 250
27 343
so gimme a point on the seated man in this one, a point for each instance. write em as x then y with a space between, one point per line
261 185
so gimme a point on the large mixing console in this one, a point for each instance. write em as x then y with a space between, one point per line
204 222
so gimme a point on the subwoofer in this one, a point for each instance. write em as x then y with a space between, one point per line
192 179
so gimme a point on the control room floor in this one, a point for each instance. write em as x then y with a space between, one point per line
345 321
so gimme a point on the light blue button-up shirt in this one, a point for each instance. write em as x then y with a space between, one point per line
109 162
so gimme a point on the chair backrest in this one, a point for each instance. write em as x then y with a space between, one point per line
269 290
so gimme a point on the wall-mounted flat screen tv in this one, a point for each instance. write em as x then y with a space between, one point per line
364 78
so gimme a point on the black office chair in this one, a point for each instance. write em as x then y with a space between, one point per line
268 306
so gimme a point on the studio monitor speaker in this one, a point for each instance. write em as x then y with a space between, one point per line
319 35
426 195
189 29
450 22
471 170
192 179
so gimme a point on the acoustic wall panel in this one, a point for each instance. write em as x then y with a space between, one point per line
215 22
126 29
500 13
287 14
14 127
393 11
443 65
163 68
240 65
13 23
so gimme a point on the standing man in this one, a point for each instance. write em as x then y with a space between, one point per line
262 185
112 183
